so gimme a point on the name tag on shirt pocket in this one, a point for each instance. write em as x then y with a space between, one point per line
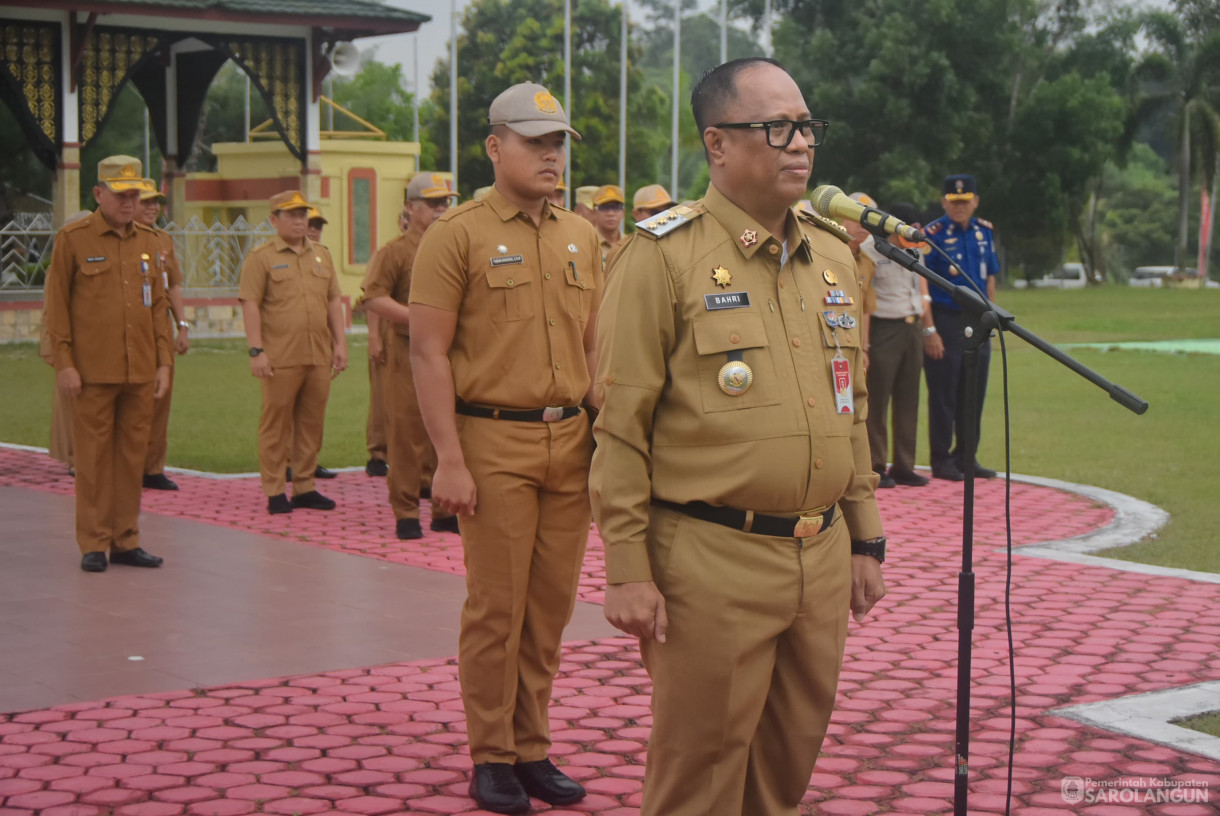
280 272
511 295
718 334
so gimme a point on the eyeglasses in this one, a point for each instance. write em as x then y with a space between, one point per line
781 131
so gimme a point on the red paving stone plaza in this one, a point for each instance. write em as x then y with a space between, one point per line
303 664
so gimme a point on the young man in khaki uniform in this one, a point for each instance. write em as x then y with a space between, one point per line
111 348
503 304
732 483
294 327
386 295
171 277
608 203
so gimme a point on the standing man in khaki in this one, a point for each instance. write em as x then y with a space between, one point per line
731 482
171 277
608 203
111 348
294 327
503 304
386 295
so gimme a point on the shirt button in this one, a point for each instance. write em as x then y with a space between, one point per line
796 341
774 250
781 284
547 276
811 401
734 338
817 463
557 366
551 321
509 282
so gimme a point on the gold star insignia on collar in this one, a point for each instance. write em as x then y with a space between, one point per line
721 276
748 238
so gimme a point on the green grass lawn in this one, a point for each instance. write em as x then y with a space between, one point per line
1062 426
1208 723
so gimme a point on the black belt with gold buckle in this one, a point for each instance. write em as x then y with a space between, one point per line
803 526
553 413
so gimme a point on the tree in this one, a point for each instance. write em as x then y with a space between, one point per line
509 41
378 95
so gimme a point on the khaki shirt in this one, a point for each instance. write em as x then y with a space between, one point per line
668 431
95 314
389 274
293 289
525 295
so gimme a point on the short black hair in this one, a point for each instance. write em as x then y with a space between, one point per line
717 88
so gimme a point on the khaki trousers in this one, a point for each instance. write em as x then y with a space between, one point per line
375 433
290 428
523 548
895 363
744 685
409 451
158 437
110 431
61 427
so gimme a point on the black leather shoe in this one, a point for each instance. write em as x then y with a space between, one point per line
159 481
313 500
376 467
543 780
94 562
408 529
425 491
494 787
323 473
909 478
886 480
276 505
981 472
444 525
135 558
949 472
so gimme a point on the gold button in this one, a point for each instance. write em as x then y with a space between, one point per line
817 463
551 321
509 281
781 284
774 250
796 341
547 276
734 338
557 366
811 401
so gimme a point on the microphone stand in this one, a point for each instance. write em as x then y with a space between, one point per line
981 316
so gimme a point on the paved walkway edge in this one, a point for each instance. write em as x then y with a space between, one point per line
1148 716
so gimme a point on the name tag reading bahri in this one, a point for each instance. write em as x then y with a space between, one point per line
728 300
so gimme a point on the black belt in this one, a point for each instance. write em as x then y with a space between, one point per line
803 526
551 414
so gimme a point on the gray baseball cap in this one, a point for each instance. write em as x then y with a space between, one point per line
529 109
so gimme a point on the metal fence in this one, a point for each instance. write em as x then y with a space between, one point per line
210 256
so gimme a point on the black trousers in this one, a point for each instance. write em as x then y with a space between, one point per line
946 380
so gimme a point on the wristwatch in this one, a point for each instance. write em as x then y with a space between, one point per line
255 351
929 331
873 546
182 324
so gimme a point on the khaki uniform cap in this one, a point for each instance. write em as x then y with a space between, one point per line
608 193
288 200
429 185
316 215
120 173
584 195
149 190
651 197
529 109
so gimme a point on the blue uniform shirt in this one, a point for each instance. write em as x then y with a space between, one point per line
973 249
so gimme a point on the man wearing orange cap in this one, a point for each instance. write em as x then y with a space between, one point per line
650 200
171 277
608 203
112 349
556 196
295 330
387 287
504 299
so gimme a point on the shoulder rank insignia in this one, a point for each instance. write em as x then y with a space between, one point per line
985 223
827 224
934 228
666 222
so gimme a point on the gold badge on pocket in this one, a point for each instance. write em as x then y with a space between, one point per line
735 378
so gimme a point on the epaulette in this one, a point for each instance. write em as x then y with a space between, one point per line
934 228
829 224
465 206
985 223
143 226
666 222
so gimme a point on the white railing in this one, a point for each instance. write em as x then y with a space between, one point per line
210 256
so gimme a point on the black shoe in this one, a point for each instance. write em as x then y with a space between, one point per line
277 505
425 492
444 525
159 481
135 558
323 473
981 472
909 478
94 562
949 472
313 500
408 529
376 467
543 780
886 480
494 787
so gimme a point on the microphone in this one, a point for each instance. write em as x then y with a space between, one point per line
834 203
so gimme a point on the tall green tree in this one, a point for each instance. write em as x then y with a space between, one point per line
504 42
378 94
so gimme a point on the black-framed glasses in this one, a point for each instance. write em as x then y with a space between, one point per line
780 131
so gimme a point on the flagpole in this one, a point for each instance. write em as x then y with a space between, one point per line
673 169
453 106
622 106
724 31
569 106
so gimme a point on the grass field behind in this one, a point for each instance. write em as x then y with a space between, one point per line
1062 426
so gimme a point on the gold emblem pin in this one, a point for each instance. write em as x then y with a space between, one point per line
545 103
749 238
735 378
721 276
830 277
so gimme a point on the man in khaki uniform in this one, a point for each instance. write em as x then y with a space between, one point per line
608 204
583 203
294 327
731 483
503 303
111 348
171 277
386 295
375 431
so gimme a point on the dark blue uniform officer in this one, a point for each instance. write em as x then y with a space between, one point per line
970 242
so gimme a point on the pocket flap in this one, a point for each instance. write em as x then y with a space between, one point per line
721 333
507 277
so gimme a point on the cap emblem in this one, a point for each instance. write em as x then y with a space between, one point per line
545 103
